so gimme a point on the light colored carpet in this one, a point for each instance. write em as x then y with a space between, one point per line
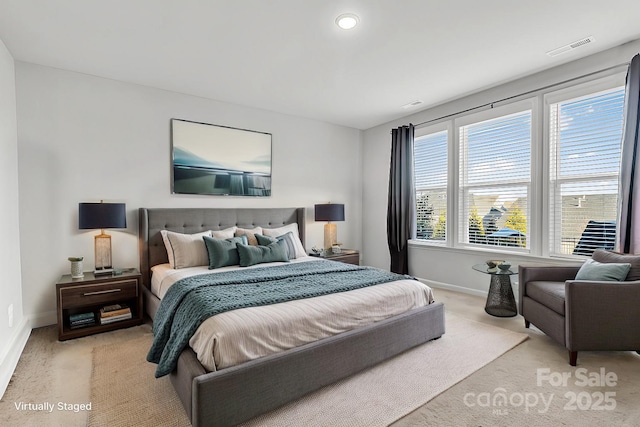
53 371
124 392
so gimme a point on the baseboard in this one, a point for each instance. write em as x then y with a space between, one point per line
11 354
43 319
462 289
450 287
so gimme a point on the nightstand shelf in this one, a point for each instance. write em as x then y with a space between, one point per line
90 293
348 256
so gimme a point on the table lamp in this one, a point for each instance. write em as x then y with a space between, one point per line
330 212
100 216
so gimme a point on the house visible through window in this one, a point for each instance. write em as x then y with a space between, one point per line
495 178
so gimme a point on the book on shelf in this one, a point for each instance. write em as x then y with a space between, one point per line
114 310
81 316
82 325
79 320
112 319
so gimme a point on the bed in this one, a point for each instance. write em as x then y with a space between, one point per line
240 392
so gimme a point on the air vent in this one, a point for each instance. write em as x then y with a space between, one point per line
413 104
571 46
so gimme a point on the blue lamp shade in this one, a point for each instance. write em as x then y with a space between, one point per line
329 212
101 215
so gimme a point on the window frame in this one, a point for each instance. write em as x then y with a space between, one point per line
444 126
528 104
538 205
590 88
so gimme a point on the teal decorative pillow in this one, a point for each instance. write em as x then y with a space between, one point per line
223 252
606 272
250 255
603 256
287 240
265 240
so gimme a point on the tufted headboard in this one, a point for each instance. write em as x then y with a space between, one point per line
194 220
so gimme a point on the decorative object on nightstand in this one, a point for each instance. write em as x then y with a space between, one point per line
348 256
101 216
102 303
77 271
329 212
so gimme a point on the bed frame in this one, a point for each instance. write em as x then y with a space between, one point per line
237 394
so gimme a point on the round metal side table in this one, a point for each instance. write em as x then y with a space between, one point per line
500 300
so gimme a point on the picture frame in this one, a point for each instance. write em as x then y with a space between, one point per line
218 160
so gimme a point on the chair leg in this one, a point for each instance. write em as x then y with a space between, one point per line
527 323
573 357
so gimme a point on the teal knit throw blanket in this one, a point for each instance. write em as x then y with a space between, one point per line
192 300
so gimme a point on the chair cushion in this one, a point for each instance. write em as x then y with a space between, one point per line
549 294
601 255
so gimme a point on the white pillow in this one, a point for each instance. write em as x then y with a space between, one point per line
293 228
227 233
186 250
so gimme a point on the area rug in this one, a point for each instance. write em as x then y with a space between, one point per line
124 391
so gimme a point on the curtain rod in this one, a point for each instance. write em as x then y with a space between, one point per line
490 104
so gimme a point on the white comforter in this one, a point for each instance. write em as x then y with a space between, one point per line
237 336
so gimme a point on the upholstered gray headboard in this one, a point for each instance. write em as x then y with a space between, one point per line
193 220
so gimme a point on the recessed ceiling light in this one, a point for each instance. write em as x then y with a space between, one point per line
347 21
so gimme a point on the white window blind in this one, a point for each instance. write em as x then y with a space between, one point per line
585 136
495 180
430 163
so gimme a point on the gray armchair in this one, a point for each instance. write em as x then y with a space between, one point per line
582 315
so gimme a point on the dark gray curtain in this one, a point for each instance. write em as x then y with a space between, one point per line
401 207
628 233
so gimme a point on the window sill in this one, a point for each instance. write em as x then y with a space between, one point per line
489 252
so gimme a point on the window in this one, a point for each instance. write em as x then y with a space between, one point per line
537 176
585 135
431 177
495 180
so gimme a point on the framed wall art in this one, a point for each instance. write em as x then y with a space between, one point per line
219 160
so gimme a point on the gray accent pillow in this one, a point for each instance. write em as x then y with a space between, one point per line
286 240
603 256
606 272
223 252
250 255
293 228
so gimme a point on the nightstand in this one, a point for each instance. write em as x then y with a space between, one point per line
348 256
91 293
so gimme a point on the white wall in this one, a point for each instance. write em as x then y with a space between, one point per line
444 266
13 332
83 138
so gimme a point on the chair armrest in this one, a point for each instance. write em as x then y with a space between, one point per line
602 315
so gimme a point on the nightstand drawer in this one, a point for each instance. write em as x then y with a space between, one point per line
86 295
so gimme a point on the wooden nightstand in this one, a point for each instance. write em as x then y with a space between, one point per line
90 293
348 256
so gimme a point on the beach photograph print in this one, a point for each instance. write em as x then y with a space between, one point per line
219 160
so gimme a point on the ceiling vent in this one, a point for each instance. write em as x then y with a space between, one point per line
571 46
413 104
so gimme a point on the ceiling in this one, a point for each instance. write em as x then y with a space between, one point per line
289 56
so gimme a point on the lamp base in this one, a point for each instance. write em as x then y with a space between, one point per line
102 248
330 235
